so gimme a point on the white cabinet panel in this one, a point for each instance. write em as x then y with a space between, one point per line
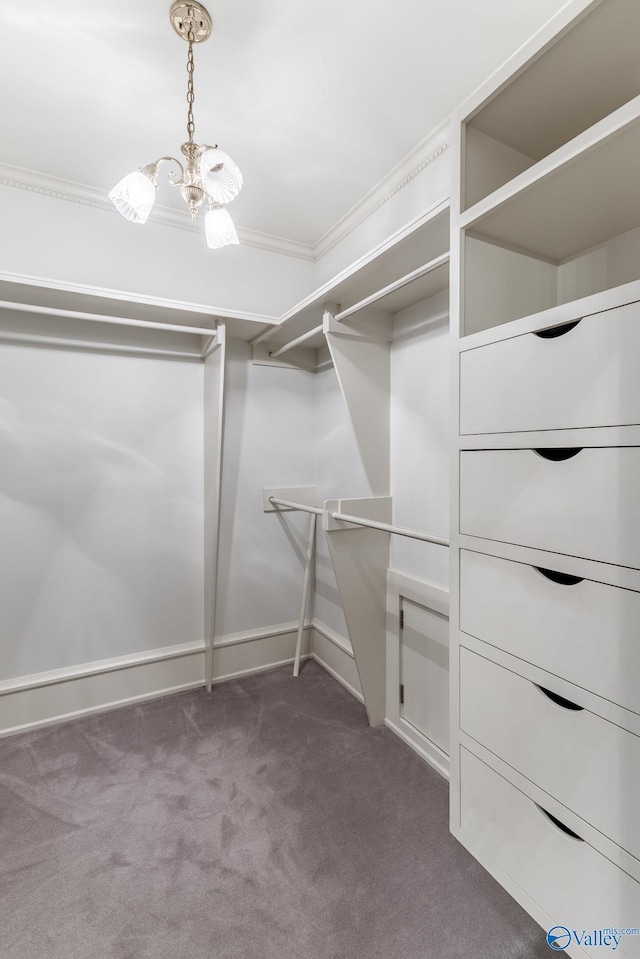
581 760
583 631
586 505
585 377
575 885
424 672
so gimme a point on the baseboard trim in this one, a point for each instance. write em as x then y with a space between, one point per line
57 696
73 673
333 637
336 675
427 750
334 653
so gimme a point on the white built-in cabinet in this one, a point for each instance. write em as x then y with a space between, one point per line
545 584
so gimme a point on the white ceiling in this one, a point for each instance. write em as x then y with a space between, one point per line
315 103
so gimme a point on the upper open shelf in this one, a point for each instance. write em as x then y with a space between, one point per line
50 314
409 266
578 77
582 203
571 233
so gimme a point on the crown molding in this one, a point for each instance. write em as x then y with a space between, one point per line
33 182
416 160
428 150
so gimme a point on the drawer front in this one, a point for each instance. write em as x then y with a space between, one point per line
585 377
575 885
584 505
580 759
585 632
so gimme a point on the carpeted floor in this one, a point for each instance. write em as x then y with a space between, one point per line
266 821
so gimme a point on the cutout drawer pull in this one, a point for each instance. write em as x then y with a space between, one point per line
563 579
556 330
560 825
559 700
558 454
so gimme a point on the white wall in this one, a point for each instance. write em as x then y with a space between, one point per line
269 441
419 194
419 437
339 473
101 506
48 237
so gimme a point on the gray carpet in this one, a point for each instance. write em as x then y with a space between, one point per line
266 821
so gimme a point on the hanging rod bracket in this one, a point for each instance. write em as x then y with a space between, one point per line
377 508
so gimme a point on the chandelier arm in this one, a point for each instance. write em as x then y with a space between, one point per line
172 176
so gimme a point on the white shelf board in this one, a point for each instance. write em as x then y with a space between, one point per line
555 316
416 244
581 203
578 80
591 139
31 290
410 289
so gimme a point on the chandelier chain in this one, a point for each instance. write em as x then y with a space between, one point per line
191 125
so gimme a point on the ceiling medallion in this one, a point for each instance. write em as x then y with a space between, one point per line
207 175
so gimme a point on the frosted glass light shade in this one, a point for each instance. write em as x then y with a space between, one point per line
134 196
219 228
222 184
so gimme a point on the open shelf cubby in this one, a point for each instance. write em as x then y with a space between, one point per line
582 75
570 234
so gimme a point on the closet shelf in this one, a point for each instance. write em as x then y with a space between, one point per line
417 285
555 316
409 266
532 212
577 77
100 318
33 297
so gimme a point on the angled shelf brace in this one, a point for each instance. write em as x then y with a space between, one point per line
358 533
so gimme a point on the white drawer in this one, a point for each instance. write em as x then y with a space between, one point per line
585 377
574 885
583 631
586 505
588 764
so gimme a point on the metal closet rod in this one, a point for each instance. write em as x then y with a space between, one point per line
360 521
421 271
298 506
101 318
299 339
95 346
388 528
394 287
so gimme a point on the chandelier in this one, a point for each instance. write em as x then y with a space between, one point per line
207 175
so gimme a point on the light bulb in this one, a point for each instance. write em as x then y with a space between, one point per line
219 228
220 176
134 196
